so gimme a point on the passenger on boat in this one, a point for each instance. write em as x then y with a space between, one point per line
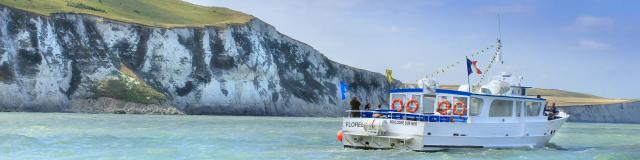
553 111
447 111
547 109
367 106
378 115
355 106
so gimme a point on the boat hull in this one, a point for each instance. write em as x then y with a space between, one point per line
427 136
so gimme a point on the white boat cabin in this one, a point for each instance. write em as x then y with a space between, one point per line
442 105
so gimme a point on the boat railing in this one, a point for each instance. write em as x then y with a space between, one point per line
392 114
562 114
555 114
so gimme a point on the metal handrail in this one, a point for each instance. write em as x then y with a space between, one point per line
390 114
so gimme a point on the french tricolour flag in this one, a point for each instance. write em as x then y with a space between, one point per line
475 67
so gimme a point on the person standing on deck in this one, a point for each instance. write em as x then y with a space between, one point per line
367 106
355 106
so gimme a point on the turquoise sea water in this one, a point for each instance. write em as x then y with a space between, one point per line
105 136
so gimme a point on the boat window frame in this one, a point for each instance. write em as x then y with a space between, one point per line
510 110
432 109
419 99
526 106
404 98
479 108
519 107
465 101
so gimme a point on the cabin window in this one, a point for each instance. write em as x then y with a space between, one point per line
459 109
416 97
485 91
460 99
443 98
501 108
475 107
515 91
428 103
523 91
518 108
533 109
398 96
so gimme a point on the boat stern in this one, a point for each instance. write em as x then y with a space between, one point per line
378 133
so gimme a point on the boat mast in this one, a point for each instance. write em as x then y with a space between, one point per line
499 38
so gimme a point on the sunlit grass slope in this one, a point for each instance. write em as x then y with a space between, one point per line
159 13
564 98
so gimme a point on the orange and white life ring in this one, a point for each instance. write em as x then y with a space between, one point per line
447 105
464 109
414 109
393 104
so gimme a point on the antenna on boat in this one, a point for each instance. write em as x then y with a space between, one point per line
498 54
499 28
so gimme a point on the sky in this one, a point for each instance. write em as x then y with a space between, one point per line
588 46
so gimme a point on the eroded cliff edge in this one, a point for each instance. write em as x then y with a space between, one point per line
69 62
626 112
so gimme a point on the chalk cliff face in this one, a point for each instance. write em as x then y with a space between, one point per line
63 63
606 113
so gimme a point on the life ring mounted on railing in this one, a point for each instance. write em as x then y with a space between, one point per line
414 109
393 105
463 106
447 105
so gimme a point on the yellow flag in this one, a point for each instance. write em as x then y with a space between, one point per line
389 76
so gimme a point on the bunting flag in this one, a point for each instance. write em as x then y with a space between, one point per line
499 56
343 90
472 66
499 52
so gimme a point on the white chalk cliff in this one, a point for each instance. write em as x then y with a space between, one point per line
57 64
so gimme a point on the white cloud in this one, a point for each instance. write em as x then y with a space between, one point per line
591 44
590 23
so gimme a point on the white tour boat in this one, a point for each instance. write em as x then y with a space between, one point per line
496 115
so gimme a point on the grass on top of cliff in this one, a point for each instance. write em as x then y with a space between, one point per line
159 13
562 97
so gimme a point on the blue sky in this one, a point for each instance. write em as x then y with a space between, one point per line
587 46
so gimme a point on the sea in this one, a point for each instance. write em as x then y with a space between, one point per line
155 137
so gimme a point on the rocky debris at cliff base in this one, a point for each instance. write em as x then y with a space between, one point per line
110 105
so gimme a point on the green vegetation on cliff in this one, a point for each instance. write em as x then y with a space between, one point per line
127 86
159 13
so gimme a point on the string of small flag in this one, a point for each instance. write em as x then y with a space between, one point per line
493 59
473 56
